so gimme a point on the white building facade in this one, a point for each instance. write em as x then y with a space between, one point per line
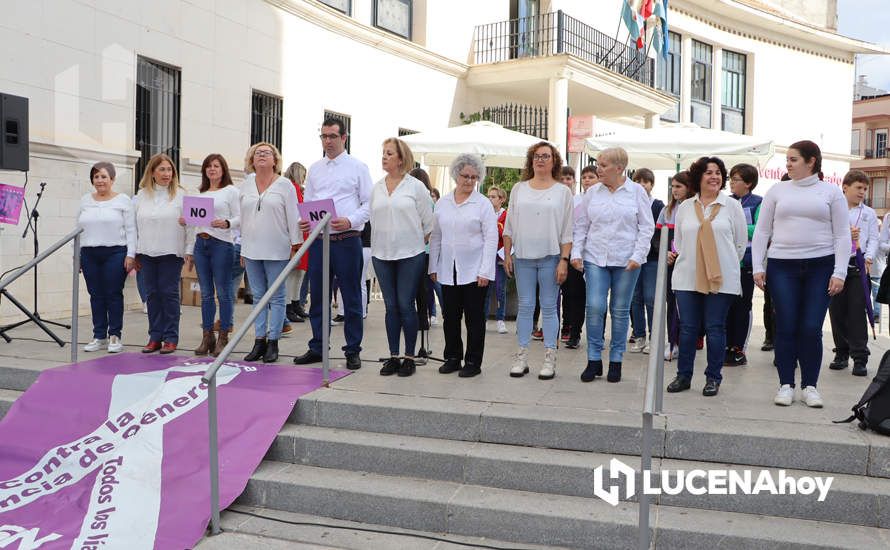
119 80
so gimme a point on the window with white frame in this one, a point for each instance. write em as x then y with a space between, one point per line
881 143
854 142
669 74
733 101
702 65
878 193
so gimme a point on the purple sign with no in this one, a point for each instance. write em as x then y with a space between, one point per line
197 210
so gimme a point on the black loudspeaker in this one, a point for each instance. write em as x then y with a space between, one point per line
13 133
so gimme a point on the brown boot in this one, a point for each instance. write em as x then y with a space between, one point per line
208 343
221 342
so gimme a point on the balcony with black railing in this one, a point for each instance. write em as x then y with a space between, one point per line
556 33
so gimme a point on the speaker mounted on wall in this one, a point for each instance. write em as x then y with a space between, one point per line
14 154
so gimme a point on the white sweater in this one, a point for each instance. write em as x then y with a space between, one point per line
158 232
107 223
802 219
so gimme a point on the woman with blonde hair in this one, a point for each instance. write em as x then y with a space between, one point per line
401 222
613 232
160 249
269 237
296 174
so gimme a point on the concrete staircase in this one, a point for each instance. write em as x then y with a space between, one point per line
523 474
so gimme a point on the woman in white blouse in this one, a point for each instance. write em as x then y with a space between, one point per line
613 232
212 250
711 236
108 249
537 244
463 248
160 248
270 235
401 221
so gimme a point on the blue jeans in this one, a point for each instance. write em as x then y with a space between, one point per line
304 291
237 270
699 311
161 275
213 262
261 274
540 272
140 286
346 266
500 291
398 281
643 303
799 290
103 271
600 282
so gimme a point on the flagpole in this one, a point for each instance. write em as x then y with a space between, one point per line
615 41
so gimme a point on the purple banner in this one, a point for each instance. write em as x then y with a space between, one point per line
11 198
113 452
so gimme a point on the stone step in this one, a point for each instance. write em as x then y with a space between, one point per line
832 448
531 518
852 499
7 398
251 527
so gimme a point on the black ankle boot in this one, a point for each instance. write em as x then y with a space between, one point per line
614 374
594 368
271 354
290 311
259 349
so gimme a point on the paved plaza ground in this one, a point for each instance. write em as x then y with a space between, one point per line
746 392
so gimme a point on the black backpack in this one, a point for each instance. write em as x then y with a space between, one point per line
873 410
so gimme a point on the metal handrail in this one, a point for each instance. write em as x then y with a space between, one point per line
75 288
259 307
653 396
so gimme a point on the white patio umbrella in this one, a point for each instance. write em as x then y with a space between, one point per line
494 143
675 146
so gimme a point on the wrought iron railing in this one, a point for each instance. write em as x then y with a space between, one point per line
528 119
556 33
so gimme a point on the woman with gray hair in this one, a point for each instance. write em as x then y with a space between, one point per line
463 245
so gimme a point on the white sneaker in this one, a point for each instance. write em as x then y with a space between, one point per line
812 398
433 321
502 327
646 348
520 363
115 345
639 344
96 344
671 352
548 369
785 395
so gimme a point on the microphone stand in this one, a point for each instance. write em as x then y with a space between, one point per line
35 315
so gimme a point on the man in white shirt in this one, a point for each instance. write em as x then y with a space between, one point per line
347 181
847 310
